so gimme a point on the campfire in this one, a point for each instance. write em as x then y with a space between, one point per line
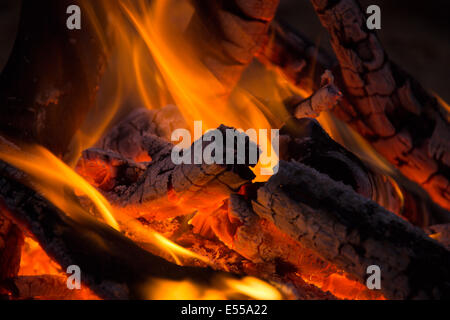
299 175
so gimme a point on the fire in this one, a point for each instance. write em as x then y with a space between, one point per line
166 68
153 64
52 177
225 288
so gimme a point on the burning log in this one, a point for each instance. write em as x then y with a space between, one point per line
383 103
166 189
305 141
45 85
262 242
323 99
402 121
353 232
113 266
11 241
232 33
297 57
128 137
49 287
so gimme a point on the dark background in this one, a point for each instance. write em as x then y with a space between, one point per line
415 33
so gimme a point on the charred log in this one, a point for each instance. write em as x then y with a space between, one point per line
232 33
11 241
113 266
167 189
353 232
305 141
49 287
51 78
383 103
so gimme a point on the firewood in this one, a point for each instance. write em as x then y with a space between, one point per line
228 34
353 232
48 287
128 137
323 99
261 241
114 268
305 141
166 189
11 241
401 120
51 78
296 56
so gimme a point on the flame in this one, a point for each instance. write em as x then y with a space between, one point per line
51 176
35 262
158 65
225 288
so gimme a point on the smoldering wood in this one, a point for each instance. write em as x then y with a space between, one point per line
324 99
298 57
128 137
114 268
262 242
222 256
353 232
401 120
11 242
48 287
441 233
305 141
167 189
229 34
51 78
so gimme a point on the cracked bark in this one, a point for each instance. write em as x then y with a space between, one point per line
353 233
383 103
161 188
402 121
114 268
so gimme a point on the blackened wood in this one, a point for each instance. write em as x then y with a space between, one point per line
167 189
353 233
229 34
11 242
401 120
128 137
51 78
324 99
113 266
305 141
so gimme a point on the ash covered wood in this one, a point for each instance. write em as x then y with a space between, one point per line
353 232
113 266
305 141
323 99
166 189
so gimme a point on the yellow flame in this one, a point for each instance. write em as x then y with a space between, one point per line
224 288
51 175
